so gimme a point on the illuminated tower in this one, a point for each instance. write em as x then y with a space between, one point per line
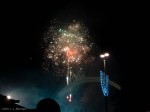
104 79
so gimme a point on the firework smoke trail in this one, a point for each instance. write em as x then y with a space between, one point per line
68 49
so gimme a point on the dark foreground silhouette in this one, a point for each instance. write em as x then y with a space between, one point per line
47 105
44 105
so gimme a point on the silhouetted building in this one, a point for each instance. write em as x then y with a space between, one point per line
10 104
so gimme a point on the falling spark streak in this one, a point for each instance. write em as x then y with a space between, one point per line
67 80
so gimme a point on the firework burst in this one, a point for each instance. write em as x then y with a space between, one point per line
68 46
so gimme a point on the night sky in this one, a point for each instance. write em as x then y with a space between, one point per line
116 28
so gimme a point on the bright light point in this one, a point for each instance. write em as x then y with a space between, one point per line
67 97
67 78
102 56
70 95
60 30
50 56
66 49
8 97
106 54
